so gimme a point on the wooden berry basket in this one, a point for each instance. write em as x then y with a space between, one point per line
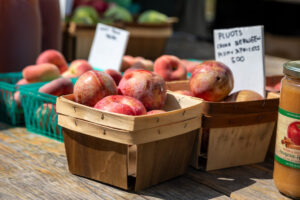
129 152
232 133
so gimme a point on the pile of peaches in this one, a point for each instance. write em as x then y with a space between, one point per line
142 88
140 91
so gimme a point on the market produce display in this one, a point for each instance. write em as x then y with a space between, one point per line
85 15
152 17
90 12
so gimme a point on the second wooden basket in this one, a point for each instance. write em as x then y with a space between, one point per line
130 152
232 133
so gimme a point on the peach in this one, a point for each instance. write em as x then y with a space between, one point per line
121 104
44 116
22 81
243 95
92 86
190 65
147 64
184 92
117 76
278 86
211 81
17 98
41 73
146 86
153 112
127 62
170 68
58 87
77 68
53 57
136 66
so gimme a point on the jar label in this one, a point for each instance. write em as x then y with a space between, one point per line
287 150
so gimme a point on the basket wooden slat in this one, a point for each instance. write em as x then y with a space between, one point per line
232 133
129 156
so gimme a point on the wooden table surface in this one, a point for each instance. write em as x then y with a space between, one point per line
35 167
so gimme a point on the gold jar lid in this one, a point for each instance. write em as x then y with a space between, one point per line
292 68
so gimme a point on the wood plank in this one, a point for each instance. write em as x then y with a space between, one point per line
181 188
161 160
236 146
129 137
241 183
219 108
96 158
179 107
35 167
227 120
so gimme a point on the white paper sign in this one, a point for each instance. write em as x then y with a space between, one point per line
108 47
242 50
65 8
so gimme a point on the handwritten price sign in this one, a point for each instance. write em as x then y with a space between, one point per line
242 49
108 47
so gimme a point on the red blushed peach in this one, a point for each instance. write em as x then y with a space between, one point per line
243 95
190 65
278 86
92 86
153 112
17 98
58 87
121 104
147 64
211 81
22 81
170 68
77 68
184 92
40 73
136 66
117 76
127 62
53 57
146 86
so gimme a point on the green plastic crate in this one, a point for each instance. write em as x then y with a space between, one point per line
10 112
40 113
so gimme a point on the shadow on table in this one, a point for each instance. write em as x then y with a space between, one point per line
4 126
180 188
213 184
233 179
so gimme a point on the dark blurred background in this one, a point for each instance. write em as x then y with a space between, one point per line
197 19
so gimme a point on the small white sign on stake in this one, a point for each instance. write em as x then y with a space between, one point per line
108 47
242 50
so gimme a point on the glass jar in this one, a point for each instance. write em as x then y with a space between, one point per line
287 151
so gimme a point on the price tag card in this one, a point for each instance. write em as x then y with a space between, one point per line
242 50
65 8
108 47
